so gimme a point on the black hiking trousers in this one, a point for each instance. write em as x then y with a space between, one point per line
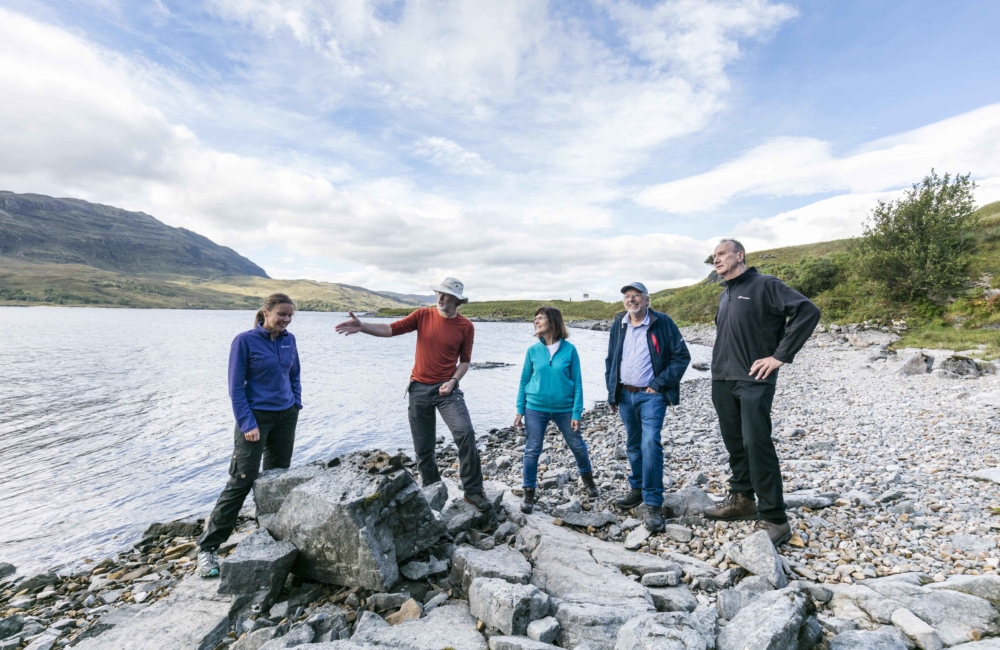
277 439
744 409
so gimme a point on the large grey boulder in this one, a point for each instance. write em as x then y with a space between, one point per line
756 554
506 607
355 521
956 617
274 485
884 638
959 365
503 562
772 621
983 586
448 626
194 616
259 563
686 502
670 631
918 364
585 575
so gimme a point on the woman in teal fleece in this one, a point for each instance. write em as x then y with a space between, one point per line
551 390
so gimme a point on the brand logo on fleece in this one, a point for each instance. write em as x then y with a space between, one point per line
742 297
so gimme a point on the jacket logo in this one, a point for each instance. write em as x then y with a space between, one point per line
742 297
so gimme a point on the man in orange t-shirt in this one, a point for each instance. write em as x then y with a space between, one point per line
444 350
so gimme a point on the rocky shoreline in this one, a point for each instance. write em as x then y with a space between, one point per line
892 479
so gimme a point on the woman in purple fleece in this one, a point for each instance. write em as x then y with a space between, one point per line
267 397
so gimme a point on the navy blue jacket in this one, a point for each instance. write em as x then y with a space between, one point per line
667 350
263 375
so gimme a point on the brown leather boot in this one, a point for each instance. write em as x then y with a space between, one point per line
779 533
735 507
589 486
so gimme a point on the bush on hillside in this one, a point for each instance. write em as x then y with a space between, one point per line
920 246
812 276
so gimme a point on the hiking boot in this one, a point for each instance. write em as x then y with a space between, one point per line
653 519
208 564
779 533
589 486
735 507
479 501
630 500
528 501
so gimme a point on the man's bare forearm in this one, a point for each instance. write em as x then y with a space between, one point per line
377 329
461 370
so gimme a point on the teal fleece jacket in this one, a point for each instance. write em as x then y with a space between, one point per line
551 385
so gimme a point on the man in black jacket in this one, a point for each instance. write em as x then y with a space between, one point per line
646 359
761 325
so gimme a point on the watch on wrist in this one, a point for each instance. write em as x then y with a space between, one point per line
455 379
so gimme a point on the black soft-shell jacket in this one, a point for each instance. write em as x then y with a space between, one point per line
759 316
667 351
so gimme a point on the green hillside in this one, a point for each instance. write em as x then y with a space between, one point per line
823 272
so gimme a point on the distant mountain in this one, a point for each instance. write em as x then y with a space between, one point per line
41 229
71 252
414 298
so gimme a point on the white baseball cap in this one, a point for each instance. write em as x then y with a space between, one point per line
453 287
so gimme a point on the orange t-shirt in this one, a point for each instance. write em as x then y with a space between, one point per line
441 343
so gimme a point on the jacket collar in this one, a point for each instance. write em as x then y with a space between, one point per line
750 273
651 317
263 332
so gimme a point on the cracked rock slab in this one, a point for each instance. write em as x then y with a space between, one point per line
451 625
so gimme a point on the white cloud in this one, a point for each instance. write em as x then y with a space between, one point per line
805 166
450 155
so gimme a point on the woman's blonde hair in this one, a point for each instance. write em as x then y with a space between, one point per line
555 319
270 303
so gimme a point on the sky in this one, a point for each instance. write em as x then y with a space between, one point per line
531 149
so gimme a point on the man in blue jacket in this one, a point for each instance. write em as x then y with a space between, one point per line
646 359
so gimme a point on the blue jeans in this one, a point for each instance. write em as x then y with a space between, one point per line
534 430
643 414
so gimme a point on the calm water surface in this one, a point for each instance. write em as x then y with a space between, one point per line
111 419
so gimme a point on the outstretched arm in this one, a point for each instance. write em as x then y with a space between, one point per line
355 325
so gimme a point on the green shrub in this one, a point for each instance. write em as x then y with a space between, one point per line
920 246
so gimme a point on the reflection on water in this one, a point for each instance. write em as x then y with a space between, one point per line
115 418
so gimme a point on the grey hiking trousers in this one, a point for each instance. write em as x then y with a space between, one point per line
277 440
424 401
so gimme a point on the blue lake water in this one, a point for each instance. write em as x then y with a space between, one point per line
111 419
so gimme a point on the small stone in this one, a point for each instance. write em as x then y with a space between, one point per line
637 537
661 579
411 609
678 533
544 629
